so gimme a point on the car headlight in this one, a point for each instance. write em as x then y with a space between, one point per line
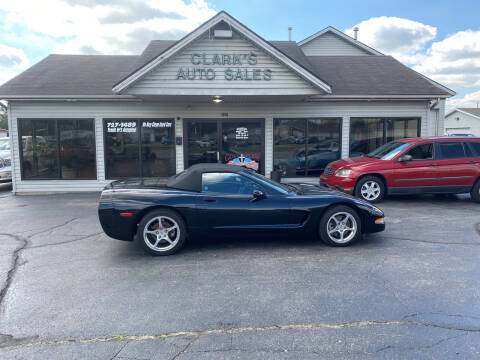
343 173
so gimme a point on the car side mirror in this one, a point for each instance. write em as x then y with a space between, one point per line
405 158
258 195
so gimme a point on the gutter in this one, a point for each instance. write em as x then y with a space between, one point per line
70 98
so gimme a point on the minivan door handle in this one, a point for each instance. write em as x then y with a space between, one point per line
209 199
431 165
472 162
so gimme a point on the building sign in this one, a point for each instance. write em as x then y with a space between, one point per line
235 67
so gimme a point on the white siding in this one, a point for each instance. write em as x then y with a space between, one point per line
179 148
268 146
458 122
163 80
345 147
268 111
329 44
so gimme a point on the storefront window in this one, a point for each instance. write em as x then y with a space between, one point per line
304 147
57 149
139 148
367 134
77 149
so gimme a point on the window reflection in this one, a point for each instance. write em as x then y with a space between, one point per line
367 134
305 146
139 148
77 149
41 141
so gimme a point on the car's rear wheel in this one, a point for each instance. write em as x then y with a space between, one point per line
340 226
475 192
370 188
161 232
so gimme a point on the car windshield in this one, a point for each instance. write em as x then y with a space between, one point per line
388 151
4 145
283 188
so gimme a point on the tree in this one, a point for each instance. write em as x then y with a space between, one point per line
3 116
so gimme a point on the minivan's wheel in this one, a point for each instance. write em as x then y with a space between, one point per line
475 192
340 226
161 232
370 188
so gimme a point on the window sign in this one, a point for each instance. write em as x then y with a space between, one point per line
121 127
139 148
241 133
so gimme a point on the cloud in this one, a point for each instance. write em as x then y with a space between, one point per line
469 100
454 61
12 58
106 26
402 38
12 61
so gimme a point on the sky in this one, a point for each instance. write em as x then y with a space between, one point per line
440 39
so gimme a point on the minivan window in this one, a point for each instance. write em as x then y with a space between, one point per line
421 152
388 151
450 150
474 147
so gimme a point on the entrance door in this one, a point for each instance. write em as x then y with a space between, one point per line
227 141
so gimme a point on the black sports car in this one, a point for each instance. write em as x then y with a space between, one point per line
220 198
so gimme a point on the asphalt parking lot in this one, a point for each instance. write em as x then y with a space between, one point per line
69 292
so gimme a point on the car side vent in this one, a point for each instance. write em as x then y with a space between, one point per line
328 171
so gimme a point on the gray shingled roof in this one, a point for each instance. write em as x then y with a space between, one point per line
473 111
71 75
96 74
371 75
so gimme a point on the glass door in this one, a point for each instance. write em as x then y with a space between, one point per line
227 141
242 143
201 143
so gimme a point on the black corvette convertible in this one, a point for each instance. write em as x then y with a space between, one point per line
225 198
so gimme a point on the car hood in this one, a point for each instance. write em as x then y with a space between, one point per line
354 162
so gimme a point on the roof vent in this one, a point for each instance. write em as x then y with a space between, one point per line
222 34
289 33
355 32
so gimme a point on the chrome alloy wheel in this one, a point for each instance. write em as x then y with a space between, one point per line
161 233
370 190
341 227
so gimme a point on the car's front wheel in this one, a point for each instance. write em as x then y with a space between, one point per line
161 232
340 226
370 188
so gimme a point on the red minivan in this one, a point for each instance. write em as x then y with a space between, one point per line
429 165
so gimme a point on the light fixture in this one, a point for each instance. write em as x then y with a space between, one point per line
217 99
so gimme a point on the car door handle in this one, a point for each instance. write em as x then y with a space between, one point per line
209 199
472 162
431 165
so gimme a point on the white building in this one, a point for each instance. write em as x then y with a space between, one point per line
220 94
463 121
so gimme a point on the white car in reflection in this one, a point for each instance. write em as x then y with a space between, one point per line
5 170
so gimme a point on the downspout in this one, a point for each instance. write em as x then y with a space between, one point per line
10 135
433 106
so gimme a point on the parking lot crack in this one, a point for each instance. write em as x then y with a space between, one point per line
436 242
52 228
15 263
198 333
185 348
84 237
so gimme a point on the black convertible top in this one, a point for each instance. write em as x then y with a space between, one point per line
191 179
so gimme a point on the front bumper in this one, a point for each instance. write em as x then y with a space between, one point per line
343 186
